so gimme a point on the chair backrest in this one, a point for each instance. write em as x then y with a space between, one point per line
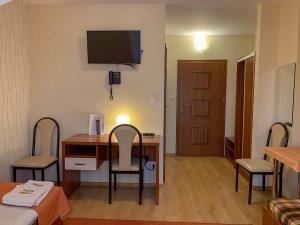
125 135
44 129
278 136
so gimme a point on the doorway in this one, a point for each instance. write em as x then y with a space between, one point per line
244 107
201 96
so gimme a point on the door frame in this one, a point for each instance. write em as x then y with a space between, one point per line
240 105
165 111
178 94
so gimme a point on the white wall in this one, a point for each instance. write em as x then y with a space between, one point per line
295 131
277 43
220 47
14 86
64 86
265 68
292 42
288 32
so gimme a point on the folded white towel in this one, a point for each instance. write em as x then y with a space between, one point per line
29 194
23 196
46 185
40 184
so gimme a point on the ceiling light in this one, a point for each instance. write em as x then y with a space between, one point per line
200 42
2 2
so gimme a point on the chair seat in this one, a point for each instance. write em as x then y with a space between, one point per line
35 162
256 165
134 164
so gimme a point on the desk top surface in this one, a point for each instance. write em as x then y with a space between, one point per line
288 156
103 139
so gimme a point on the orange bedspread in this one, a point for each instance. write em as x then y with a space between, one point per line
54 206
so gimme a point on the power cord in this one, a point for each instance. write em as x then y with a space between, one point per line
133 66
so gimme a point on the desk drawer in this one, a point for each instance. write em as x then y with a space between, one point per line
80 164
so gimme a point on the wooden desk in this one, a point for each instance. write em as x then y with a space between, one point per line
85 152
288 156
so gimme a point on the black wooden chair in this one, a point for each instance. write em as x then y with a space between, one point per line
278 136
125 164
42 152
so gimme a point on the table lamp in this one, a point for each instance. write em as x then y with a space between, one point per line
122 119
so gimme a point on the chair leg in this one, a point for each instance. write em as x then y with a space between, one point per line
33 174
250 189
115 181
237 178
109 189
264 182
280 185
143 181
14 174
141 189
43 174
58 173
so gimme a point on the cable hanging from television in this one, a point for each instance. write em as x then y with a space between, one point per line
133 66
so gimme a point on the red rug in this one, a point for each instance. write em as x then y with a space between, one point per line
71 221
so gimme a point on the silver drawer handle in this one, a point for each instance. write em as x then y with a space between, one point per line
80 164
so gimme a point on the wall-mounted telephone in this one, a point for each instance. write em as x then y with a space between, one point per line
114 78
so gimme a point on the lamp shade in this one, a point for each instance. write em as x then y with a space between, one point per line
122 119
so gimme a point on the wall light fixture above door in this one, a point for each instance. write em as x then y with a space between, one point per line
200 42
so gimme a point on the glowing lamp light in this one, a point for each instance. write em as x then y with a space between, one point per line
122 119
2 2
200 42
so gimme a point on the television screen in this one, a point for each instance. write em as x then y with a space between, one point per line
114 47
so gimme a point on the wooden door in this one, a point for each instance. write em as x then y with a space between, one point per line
248 107
244 108
201 107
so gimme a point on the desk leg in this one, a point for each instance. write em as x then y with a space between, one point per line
275 179
157 176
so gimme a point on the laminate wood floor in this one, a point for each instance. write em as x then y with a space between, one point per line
196 190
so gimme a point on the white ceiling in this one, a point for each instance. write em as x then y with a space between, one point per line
214 17
183 17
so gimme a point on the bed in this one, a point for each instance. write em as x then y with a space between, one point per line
269 218
282 212
25 216
51 211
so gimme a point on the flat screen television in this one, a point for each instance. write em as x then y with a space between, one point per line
114 47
